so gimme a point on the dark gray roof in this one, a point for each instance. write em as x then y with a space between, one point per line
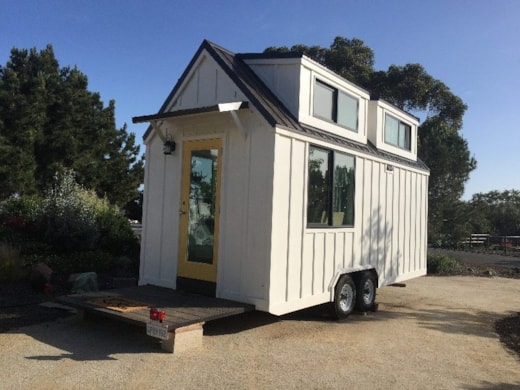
188 111
269 106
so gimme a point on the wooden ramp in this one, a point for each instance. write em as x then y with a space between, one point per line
185 313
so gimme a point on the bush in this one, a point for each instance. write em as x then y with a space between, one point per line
117 236
70 221
71 230
443 265
20 219
11 263
75 262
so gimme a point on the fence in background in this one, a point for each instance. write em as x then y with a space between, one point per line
487 243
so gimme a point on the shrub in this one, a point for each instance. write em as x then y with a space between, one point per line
71 230
11 263
75 262
70 222
443 265
116 235
20 219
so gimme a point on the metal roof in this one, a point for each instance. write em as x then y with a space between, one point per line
264 100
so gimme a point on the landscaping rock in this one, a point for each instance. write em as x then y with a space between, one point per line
84 282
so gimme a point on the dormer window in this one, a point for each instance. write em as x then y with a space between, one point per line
397 133
334 105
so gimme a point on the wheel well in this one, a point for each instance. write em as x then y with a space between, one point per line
357 275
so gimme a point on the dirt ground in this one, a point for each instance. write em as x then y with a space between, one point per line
436 333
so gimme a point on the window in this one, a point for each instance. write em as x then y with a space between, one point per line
330 191
397 133
335 106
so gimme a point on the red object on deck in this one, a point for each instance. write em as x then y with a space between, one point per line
157 315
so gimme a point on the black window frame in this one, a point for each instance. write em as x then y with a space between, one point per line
335 106
327 218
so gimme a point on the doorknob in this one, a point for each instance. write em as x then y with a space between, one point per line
182 212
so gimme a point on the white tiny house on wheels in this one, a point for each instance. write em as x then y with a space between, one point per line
273 181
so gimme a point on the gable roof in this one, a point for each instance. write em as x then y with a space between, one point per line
264 100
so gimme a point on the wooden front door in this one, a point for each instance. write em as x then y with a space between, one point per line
199 209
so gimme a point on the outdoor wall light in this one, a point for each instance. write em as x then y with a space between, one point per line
169 146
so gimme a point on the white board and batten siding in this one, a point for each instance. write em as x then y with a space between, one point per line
389 232
267 256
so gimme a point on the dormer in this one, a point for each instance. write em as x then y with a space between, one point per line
392 130
290 91
331 103
315 95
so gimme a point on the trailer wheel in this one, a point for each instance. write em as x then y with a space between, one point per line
344 297
366 292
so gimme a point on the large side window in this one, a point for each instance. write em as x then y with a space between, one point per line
331 188
397 133
335 106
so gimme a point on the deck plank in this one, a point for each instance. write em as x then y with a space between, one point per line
182 309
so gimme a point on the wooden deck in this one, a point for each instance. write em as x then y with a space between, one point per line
184 312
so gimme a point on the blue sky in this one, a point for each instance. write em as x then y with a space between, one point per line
134 51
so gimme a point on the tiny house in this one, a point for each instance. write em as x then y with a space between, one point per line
273 181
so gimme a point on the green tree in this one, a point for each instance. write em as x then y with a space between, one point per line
51 122
411 88
496 212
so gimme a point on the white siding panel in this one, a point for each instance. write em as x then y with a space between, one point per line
152 238
395 224
415 226
390 195
407 221
328 265
170 221
280 225
366 213
307 265
233 232
319 259
375 217
349 259
381 212
339 250
206 85
282 78
259 214
296 223
246 217
424 221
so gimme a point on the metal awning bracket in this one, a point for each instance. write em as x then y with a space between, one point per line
233 108
157 127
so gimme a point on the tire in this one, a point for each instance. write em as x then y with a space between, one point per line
344 297
366 291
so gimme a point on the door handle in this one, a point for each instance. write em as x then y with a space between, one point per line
182 212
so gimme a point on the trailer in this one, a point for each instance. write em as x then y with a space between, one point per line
272 181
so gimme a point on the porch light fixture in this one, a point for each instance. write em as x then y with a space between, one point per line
169 145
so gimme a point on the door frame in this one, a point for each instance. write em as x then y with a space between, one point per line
186 269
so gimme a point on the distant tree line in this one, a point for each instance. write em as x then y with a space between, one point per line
496 213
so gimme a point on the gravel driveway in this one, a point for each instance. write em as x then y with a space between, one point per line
437 333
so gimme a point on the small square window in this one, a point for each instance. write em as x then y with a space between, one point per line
324 97
347 111
335 106
397 133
